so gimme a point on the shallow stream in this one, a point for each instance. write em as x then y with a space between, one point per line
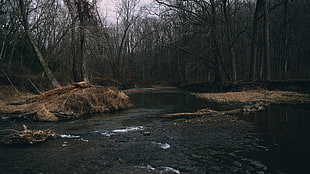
139 141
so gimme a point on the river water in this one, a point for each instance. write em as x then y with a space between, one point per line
139 141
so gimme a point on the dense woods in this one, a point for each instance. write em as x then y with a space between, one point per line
168 41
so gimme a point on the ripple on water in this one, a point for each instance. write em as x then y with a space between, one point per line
160 169
77 137
128 129
69 136
109 133
162 145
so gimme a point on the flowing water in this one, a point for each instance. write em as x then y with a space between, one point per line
139 141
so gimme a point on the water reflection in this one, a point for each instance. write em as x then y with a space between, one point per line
285 129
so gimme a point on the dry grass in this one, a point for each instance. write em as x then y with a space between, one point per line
257 96
67 102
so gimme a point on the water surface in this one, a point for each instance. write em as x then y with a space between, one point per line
274 141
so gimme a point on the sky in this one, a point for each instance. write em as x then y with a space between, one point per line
108 8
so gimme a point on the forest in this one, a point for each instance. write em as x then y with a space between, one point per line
155 86
167 42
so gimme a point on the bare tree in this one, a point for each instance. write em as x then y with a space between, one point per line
24 17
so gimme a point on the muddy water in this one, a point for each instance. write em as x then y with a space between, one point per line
138 141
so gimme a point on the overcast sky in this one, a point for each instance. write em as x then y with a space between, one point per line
108 8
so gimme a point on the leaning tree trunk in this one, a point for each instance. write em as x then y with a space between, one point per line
38 52
43 63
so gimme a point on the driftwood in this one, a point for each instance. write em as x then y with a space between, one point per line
199 113
59 91
27 136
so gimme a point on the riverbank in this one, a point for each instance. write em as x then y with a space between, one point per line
300 86
67 102
255 96
139 141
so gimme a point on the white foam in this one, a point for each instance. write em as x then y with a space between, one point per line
69 136
105 133
259 164
4 118
169 169
128 129
64 144
163 145
160 169
148 167
82 139
109 133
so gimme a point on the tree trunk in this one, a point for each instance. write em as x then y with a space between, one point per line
2 47
267 40
43 63
254 47
39 55
77 76
286 35
82 66
219 79
82 10
232 54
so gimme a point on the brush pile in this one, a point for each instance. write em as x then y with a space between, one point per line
27 136
68 102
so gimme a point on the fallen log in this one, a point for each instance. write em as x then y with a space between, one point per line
200 113
59 91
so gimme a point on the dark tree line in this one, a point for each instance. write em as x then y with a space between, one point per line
170 41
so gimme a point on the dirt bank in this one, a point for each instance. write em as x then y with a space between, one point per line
67 102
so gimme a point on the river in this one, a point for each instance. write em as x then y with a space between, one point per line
139 141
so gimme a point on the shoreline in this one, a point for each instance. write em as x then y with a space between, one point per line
255 96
